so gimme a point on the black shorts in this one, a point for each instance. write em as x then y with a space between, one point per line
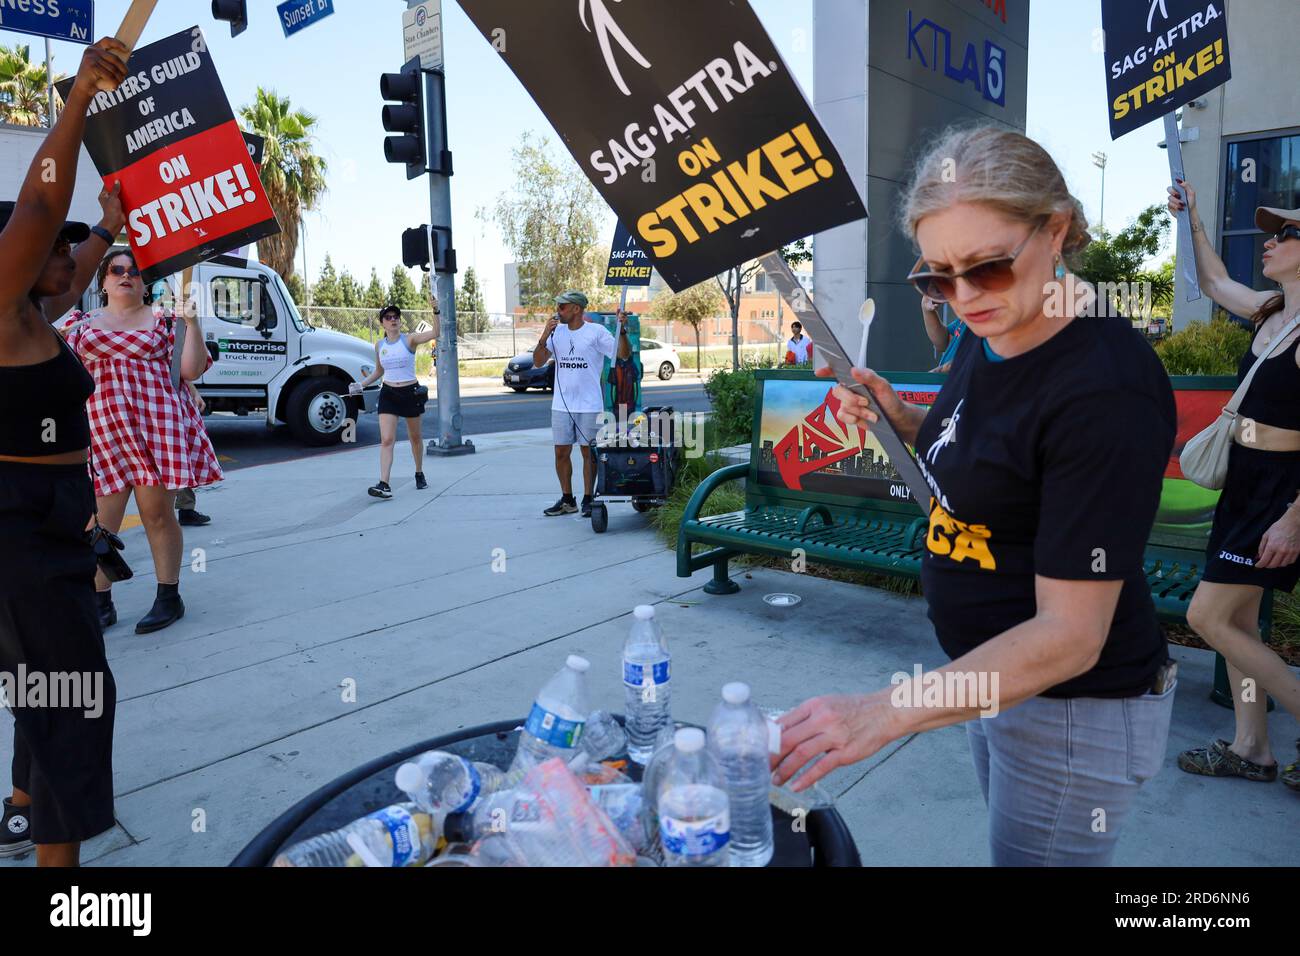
1259 486
404 401
49 625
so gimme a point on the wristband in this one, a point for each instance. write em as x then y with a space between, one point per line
102 233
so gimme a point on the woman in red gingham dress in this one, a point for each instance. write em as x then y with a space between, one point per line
147 437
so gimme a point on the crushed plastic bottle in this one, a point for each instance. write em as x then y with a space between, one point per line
556 722
694 812
647 684
739 737
440 782
603 738
400 835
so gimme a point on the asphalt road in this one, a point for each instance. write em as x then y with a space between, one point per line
243 442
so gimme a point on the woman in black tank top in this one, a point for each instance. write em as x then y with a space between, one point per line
1254 543
62 765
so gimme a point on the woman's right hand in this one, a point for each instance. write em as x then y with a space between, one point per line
854 408
103 66
1176 204
354 388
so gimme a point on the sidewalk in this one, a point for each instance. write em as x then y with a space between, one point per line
232 715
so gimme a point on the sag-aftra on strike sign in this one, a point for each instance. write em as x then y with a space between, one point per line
684 117
189 187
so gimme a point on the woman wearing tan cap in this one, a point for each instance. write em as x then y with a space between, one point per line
1255 540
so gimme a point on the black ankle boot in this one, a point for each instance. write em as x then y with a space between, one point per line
107 613
168 608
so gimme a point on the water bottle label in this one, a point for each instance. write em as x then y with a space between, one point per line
473 790
695 838
553 729
634 675
403 832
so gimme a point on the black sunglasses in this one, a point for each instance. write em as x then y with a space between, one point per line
131 271
991 275
1285 233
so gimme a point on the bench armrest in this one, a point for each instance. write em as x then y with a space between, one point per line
807 514
707 486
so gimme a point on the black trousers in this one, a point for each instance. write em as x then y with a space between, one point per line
50 638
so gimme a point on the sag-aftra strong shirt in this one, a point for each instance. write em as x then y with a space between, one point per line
1048 463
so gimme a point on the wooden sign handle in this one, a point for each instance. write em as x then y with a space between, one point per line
132 27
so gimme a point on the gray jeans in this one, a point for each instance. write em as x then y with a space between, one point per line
1060 775
185 499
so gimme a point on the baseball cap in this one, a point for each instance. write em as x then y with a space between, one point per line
1272 219
72 231
572 297
390 310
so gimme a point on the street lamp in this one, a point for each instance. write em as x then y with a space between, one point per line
1099 160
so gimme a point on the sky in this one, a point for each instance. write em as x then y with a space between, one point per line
331 69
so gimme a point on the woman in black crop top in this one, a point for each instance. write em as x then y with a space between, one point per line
62 765
1255 540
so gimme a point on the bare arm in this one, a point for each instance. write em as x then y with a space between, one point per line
194 357
373 377
1064 639
46 193
90 253
934 328
854 410
541 354
1212 274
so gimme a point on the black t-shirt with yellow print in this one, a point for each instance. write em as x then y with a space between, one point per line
1048 463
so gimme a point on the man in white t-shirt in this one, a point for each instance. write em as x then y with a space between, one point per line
798 349
580 349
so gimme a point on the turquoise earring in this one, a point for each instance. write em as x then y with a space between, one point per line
1060 267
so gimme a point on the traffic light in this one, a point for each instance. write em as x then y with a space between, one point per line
234 12
415 248
406 117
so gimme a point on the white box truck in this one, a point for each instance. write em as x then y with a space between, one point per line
267 358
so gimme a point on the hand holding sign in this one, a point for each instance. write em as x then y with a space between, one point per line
110 201
102 65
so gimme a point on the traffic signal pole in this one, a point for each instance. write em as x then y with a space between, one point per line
442 263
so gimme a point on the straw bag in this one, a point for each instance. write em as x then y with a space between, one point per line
1205 457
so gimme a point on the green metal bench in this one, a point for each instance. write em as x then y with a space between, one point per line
883 531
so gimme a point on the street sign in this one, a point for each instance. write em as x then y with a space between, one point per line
422 34
71 20
628 264
297 15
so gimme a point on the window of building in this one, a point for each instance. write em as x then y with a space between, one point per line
1263 171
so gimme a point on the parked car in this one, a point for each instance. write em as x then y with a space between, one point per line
659 359
520 374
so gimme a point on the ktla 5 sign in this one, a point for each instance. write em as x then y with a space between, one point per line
933 45
1161 54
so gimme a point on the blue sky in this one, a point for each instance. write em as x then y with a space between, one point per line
332 70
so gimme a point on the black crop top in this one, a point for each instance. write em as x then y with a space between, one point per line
43 406
1274 394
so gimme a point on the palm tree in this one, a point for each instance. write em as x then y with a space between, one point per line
24 96
294 176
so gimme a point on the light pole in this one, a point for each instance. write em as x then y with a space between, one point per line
1099 160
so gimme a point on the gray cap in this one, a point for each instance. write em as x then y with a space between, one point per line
572 297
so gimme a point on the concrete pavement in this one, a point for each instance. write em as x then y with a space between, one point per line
303 587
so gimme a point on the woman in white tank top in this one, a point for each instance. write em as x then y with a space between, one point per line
401 397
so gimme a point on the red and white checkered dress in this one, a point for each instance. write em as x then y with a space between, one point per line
142 432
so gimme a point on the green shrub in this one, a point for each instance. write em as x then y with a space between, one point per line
731 393
1200 349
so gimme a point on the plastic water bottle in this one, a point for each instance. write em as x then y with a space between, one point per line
439 782
650 778
694 813
603 738
646 683
738 738
555 724
400 835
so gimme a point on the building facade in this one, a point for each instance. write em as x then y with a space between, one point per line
890 75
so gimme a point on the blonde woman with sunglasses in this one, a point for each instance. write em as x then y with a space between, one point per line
1044 452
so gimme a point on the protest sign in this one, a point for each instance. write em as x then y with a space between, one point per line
628 264
1160 55
190 189
685 118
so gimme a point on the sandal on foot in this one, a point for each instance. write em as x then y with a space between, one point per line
1217 760
1291 774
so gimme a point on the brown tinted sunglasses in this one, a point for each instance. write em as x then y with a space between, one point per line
991 275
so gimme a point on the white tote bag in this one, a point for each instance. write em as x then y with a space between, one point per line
1205 457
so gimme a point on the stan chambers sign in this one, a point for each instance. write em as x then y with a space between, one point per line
189 186
686 119
1161 54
